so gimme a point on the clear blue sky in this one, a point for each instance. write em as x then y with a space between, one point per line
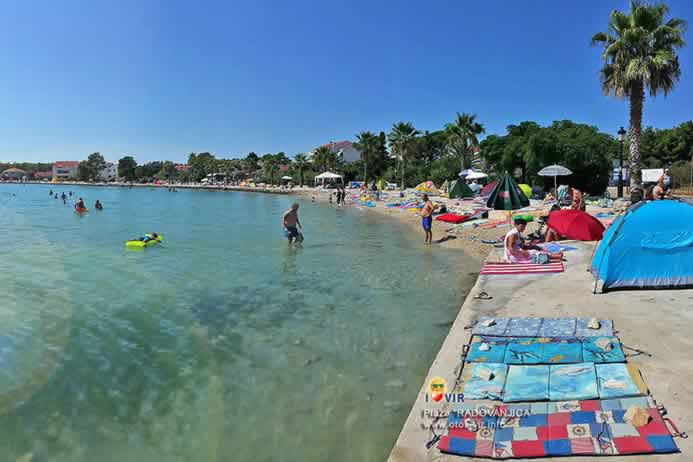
159 79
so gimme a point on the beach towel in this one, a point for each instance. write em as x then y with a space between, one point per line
572 428
521 268
453 218
502 327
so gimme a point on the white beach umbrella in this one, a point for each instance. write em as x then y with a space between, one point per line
476 176
287 177
554 171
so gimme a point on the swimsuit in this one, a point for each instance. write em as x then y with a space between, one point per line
426 222
292 231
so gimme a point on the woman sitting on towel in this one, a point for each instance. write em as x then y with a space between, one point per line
516 251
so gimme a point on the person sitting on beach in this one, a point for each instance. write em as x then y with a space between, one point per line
98 205
290 221
427 219
516 251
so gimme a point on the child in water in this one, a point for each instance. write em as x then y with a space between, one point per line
98 205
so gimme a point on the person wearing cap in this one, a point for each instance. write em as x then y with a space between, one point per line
516 251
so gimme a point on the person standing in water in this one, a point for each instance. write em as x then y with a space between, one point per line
79 206
98 205
427 219
290 222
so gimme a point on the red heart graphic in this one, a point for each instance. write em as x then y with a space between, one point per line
437 397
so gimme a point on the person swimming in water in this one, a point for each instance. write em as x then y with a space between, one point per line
151 237
79 206
98 205
63 196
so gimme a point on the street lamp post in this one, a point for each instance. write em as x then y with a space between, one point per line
621 137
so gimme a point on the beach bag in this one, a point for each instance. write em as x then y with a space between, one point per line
540 258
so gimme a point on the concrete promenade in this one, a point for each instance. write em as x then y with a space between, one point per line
658 322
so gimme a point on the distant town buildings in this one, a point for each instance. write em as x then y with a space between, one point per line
65 169
182 167
13 174
42 176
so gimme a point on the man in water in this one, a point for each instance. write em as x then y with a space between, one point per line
290 221
63 196
98 205
427 219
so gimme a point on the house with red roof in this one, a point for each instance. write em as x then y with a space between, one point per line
345 149
65 169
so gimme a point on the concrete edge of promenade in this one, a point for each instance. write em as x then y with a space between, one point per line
654 321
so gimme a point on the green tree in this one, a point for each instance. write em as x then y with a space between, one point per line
251 164
301 164
88 170
126 168
462 138
639 54
324 158
367 143
402 139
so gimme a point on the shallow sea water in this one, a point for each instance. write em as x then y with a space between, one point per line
221 344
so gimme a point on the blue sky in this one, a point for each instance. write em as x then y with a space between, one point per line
159 79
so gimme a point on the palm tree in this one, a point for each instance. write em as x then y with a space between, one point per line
462 138
324 158
367 144
640 54
301 162
401 139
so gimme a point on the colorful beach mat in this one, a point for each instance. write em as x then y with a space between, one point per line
571 428
521 268
541 327
544 350
555 382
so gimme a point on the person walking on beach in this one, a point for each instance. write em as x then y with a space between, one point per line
427 219
290 222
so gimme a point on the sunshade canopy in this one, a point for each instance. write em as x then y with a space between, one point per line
554 170
476 176
327 175
576 224
507 195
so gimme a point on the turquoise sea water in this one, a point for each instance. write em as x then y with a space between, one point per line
222 344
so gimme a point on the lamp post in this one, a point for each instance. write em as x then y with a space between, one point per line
621 137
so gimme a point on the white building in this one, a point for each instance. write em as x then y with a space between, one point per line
109 172
65 169
345 149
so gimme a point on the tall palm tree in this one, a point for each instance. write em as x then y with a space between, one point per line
640 54
324 158
367 144
401 139
462 138
300 162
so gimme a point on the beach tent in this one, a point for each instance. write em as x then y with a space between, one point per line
445 187
488 189
381 184
459 189
428 187
507 195
525 188
650 246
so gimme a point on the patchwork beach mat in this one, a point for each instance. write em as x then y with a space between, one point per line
557 382
568 428
543 350
541 327
521 268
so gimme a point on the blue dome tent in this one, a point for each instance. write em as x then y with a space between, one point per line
650 246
